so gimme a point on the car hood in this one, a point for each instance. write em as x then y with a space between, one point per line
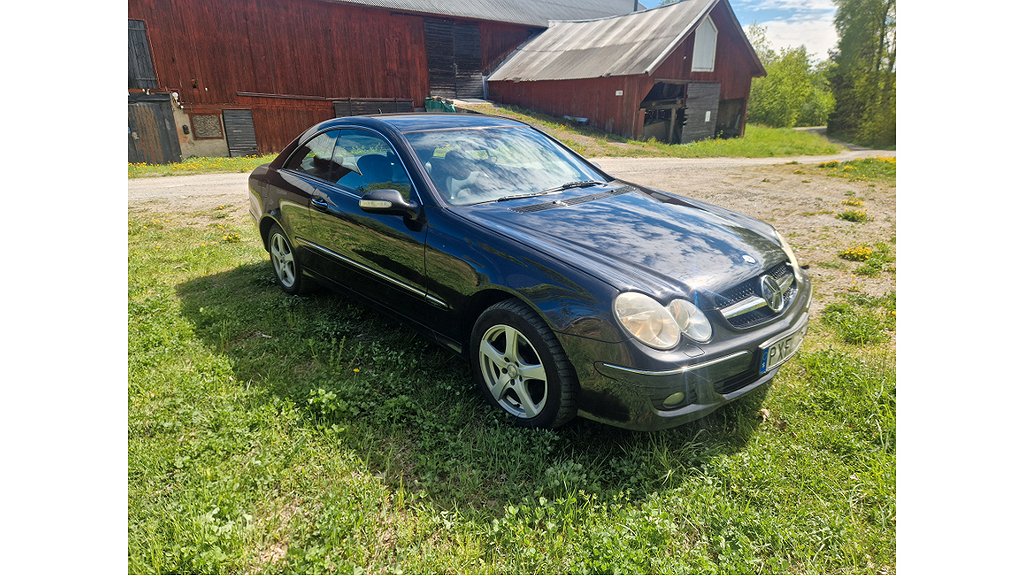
638 238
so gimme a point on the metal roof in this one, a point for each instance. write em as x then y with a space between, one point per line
615 46
530 12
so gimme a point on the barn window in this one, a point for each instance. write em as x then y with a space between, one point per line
705 40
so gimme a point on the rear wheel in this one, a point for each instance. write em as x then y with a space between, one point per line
286 266
521 368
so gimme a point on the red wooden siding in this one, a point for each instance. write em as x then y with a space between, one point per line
595 98
733 64
498 40
310 48
592 98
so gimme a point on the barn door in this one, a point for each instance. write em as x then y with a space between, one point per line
240 132
701 111
453 58
152 137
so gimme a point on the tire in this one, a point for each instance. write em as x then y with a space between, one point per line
536 366
286 266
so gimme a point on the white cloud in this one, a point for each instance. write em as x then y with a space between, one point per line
818 35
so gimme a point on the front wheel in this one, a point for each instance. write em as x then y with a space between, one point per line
521 367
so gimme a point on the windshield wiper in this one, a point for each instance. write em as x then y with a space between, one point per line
566 186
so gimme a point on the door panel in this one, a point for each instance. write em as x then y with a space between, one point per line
240 132
453 58
379 256
152 136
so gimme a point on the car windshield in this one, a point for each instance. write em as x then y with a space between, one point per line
471 166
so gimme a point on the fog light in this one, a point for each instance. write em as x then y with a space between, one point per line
674 399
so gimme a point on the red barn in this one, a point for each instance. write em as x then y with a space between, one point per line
677 73
219 77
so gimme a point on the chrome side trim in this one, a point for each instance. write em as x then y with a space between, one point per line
435 300
681 370
328 252
744 306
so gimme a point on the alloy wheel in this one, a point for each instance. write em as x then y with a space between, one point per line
283 258
513 371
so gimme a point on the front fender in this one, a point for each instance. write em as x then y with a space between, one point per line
464 259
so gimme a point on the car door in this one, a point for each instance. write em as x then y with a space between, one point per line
306 171
379 256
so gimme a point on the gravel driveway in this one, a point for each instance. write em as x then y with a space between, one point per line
790 193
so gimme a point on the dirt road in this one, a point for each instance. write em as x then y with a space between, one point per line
798 199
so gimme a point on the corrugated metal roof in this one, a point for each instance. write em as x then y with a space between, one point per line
616 46
531 12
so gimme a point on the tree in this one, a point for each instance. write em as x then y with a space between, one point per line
863 75
795 92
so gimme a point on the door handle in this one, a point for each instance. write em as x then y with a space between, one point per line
319 203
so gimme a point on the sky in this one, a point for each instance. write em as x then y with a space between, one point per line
788 22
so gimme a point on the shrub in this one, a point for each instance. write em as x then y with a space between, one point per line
853 216
857 253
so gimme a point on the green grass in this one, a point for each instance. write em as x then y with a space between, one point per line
198 165
759 141
881 169
269 433
882 259
853 215
863 319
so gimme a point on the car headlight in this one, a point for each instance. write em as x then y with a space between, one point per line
647 320
691 321
789 254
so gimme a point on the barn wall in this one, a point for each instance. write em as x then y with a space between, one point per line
595 98
498 40
210 50
733 65
591 98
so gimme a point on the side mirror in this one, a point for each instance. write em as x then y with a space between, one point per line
388 201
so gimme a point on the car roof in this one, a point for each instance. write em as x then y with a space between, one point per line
427 121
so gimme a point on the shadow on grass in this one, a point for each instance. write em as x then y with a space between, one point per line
409 408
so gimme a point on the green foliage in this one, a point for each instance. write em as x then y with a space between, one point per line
199 165
863 75
862 319
795 92
862 169
853 216
880 260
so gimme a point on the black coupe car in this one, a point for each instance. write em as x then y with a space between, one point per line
571 292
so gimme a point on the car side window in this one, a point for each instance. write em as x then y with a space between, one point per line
368 162
316 158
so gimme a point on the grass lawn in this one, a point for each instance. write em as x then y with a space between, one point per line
198 165
269 433
758 142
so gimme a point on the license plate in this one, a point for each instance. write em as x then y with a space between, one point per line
780 350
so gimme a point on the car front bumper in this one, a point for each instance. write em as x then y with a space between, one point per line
657 397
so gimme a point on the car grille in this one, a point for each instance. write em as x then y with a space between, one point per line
782 272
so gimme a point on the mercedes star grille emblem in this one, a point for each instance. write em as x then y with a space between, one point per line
771 292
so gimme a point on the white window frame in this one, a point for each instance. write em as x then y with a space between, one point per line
706 33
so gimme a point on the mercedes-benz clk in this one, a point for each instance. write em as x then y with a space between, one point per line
570 292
